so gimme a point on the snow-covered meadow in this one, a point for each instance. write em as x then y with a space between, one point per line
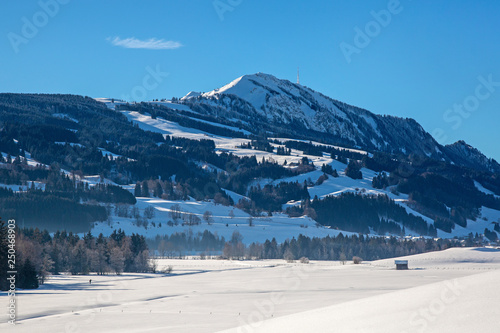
453 290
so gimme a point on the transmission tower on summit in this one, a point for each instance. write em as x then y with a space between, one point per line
298 77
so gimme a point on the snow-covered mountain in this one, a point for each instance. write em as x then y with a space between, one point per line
279 106
264 99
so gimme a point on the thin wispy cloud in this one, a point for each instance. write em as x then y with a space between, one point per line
150 44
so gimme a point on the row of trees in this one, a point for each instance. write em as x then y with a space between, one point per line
177 244
38 254
342 247
328 248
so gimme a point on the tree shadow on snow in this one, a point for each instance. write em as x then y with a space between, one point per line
486 249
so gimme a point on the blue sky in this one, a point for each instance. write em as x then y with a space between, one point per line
428 60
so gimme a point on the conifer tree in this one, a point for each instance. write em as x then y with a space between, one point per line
145 189
137 190
27 276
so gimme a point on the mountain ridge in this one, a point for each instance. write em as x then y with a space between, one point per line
297 109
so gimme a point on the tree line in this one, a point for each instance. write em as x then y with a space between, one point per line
38 255
340 247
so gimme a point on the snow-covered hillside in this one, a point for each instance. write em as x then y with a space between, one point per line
246 130
279 226
224 221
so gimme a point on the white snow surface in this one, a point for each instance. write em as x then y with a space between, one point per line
112 156
191 94
485 190
64 116
455 290
72 144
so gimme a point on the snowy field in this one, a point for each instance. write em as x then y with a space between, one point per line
455 290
